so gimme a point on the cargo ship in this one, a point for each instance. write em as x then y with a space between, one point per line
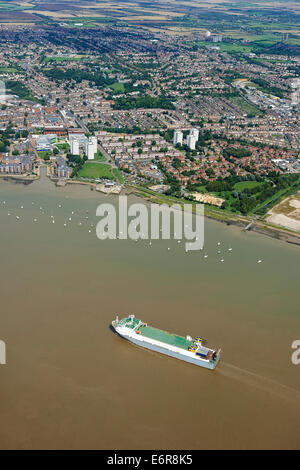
184 348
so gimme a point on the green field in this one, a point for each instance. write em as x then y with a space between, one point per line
19 89
95 171
118 175
118 87
63 146
45 154
246 184
12 6
245 106
8 70
63 59
99 157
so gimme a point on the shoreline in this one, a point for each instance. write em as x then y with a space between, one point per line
20 178
257 226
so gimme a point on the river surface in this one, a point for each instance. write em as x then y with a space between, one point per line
69 382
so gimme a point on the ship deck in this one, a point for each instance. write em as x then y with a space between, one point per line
165 337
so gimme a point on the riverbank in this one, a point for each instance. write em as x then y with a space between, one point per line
20 178
222 216
214 213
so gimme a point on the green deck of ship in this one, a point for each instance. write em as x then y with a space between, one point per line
165 337
156 334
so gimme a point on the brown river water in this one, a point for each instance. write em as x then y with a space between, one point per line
69 382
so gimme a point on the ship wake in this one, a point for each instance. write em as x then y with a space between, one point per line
260 382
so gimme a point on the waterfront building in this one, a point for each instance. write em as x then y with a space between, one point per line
16 165
61 169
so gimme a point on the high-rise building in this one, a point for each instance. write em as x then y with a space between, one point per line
191 142
74 144
195 133
91 147
90 150
178 137
94 141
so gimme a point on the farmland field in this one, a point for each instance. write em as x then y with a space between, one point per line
255 22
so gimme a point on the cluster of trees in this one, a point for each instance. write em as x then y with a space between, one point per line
238 152
78 75
76 162
175 188
203 138
5 137
23 134
220 185
145 101
231 75
17 88
176 163
267 88
249 198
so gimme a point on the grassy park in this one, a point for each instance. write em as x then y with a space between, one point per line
95 171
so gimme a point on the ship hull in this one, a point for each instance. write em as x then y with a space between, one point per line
153 347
